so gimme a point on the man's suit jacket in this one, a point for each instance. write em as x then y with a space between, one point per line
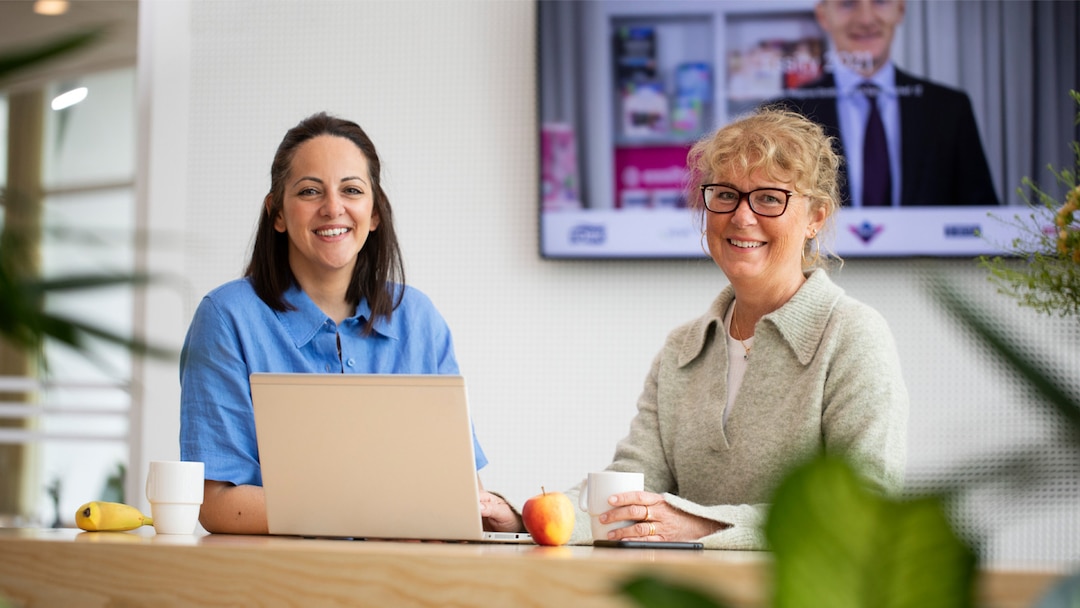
942 159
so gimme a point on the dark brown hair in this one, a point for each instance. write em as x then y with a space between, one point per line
379 275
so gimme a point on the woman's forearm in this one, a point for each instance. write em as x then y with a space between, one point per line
232 509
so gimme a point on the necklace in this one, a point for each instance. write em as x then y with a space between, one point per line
735 326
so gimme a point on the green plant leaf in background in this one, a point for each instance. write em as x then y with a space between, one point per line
1056 397
26 324
838 544
16 61
1041 268
24 320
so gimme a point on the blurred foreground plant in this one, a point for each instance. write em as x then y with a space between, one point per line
835 543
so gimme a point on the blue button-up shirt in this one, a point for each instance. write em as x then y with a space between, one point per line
234 334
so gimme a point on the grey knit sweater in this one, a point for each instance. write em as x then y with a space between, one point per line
824 375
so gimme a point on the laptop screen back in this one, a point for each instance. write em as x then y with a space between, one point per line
367 456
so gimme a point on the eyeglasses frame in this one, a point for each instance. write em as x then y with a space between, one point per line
745 196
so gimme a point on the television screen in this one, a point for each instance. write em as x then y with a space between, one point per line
627 86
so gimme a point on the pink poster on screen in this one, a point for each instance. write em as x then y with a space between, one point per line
651 177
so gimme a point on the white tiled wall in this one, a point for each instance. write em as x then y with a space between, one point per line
554 352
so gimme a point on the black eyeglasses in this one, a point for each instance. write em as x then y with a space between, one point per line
767 202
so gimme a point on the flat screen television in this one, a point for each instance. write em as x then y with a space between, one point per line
626 86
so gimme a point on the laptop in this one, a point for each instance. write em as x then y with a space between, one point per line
369 456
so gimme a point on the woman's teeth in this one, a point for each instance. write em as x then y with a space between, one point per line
332 232
745 244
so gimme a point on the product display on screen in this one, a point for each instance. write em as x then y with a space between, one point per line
630 87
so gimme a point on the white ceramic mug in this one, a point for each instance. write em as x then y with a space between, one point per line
598 488
175 492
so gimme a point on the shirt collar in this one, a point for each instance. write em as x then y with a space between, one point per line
306 319
801 322
848 80
381 326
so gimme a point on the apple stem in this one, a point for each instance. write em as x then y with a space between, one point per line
543 490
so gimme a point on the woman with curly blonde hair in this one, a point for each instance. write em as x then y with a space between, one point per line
781 366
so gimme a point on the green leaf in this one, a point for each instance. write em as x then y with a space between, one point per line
838 544
927 564
14 61
89 281
25 323
651 592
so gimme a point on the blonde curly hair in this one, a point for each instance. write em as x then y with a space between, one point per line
783 145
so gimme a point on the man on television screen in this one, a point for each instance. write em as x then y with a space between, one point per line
906 141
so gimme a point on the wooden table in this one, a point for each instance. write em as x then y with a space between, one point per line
68 567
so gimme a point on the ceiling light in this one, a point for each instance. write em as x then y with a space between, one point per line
50 7
66 100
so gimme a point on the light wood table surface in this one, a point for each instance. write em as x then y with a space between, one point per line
69 567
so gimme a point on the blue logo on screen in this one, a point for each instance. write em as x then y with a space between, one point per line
866 231
588 234
962 230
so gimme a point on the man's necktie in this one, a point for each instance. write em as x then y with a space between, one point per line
877 182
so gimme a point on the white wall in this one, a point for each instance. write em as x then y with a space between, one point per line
554 352
162 313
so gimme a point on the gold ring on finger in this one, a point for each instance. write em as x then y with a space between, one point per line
647 513
652 530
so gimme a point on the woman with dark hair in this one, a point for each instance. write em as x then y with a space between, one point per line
378 262
324 292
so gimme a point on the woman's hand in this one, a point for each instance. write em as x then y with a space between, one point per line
657 520
497 514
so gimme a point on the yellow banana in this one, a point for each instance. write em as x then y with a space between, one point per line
113 516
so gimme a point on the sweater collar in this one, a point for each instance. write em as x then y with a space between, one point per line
801 321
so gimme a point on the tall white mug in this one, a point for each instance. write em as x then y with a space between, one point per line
598 488
175 492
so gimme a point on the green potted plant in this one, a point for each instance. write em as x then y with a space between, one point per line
1042 268
26 323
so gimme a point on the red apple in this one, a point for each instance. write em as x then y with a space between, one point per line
549 518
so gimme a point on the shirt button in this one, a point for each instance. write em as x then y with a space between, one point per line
327 367
350 362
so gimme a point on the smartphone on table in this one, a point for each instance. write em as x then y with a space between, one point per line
648 544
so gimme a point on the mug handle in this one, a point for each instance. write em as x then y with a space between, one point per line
583 496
